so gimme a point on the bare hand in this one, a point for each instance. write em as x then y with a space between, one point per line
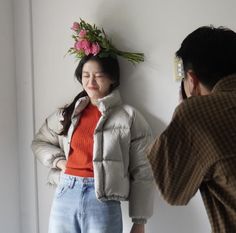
61 164
137 228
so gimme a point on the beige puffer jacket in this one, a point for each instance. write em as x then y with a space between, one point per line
121 138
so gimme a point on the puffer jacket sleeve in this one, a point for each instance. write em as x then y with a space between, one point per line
141 197
46 145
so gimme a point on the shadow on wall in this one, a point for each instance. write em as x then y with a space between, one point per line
134 91
126 26
174 219
166 219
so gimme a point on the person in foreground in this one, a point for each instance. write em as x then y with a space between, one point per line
198 148
96 146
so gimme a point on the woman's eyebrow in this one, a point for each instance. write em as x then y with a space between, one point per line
98 72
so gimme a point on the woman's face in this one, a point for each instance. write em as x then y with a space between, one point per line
94 81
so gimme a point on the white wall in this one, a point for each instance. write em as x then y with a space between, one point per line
25 116
9 183
154 27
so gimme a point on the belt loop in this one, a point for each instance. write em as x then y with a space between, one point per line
72 182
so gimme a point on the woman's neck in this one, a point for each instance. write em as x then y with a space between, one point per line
93 101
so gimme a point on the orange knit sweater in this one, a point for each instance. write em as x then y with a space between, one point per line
80 161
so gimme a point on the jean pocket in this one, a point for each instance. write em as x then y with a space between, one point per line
61 190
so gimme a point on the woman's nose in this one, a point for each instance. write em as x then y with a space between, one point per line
92 79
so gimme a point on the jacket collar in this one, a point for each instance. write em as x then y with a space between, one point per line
109 101
104 105
226 84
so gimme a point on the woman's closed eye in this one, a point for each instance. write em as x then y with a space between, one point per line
96 75
99 75
85 75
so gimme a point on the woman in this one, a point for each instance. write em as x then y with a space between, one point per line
95 149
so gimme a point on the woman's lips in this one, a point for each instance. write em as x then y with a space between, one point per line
92 88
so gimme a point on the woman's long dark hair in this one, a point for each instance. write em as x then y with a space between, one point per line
109 65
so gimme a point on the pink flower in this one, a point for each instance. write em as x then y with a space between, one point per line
82 33
78 46
87 50
83 45
95 48
75 26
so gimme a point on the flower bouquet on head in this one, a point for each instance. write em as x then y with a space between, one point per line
89 40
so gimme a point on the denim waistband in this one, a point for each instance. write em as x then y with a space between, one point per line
74 179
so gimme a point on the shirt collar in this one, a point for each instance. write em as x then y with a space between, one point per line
226 84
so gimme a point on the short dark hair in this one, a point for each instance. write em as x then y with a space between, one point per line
210 52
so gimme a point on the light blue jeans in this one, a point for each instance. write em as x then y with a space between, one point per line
76 209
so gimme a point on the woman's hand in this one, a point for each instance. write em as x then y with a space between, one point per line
137 228
61 164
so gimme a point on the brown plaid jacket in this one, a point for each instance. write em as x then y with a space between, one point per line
198 151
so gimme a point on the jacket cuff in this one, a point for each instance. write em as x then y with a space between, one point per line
139 220
56 160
